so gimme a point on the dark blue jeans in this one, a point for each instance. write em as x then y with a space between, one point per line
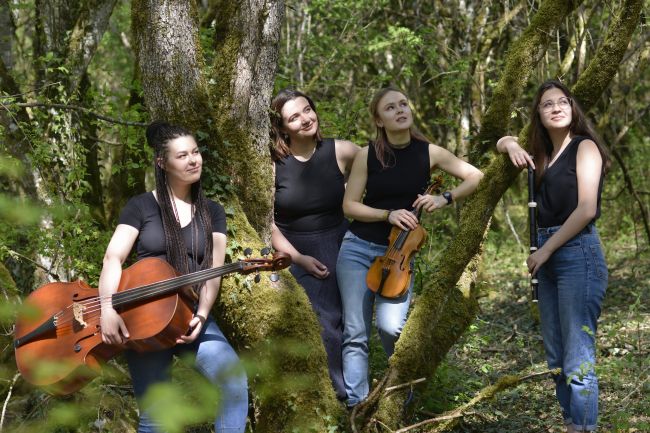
215 359
572 286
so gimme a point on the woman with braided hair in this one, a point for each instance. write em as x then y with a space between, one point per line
178 223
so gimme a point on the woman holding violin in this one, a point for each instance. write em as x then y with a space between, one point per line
387 182
310 174
178 223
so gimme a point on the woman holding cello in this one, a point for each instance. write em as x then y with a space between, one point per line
179 224
387 182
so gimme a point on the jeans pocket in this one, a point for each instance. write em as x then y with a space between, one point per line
600 267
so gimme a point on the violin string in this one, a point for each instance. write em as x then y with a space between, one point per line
93 305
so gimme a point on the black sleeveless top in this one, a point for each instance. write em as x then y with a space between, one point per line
393 187
309 194
558 191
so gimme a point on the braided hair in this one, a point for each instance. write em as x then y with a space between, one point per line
159 134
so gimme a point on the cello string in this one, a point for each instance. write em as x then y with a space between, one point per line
143 292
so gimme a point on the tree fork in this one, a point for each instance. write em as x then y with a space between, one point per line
273 324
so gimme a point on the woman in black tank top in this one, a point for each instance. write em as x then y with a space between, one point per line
388 179
308 223
570 163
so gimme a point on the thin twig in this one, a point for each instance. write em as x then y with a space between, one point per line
404 385
4 406
432 420
77 108
361 408
485 393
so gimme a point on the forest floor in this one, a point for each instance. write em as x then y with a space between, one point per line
505 340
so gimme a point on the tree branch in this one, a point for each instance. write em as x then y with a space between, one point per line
77 108
486 393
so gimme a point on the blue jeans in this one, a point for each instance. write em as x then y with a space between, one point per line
572 286
215 359
354 260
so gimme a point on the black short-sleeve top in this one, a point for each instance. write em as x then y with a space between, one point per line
143 213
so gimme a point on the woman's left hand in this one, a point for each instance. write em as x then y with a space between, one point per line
429 202
195 326
536 260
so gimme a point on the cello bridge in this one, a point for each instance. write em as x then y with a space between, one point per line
78 313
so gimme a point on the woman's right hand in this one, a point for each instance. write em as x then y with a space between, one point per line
519 157
113 328
313 266
403 219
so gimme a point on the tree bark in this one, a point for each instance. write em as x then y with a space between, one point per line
227 106
523 55
447 306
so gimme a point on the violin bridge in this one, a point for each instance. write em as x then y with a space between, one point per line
78 313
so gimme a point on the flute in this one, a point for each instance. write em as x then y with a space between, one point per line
532 208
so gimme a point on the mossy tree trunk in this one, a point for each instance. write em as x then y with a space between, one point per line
226 104
448 303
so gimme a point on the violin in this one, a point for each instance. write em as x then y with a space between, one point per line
390 275
58 342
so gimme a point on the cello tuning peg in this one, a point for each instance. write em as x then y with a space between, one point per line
248 252
274 277
265 251
257 278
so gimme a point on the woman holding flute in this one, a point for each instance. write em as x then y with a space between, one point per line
570 165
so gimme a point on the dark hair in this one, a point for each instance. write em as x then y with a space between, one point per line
280 144
382 149
538 136
159 134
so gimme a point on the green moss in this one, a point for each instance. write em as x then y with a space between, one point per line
7 284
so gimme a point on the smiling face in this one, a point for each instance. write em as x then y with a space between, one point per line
299 120
183 161
393 112
555 109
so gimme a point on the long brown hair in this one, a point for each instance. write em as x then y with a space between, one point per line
280 143
159 134
382 147
540 140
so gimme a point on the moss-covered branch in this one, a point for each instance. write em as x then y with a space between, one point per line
605 63
524 54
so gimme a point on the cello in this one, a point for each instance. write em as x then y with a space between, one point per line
390 275
58 343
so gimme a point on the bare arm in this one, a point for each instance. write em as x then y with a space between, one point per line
209 291
309 263
345 153
519 157
352 204
588 171
450 163
112 326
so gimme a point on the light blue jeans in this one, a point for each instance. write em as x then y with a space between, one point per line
215 359
354 260
572 286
